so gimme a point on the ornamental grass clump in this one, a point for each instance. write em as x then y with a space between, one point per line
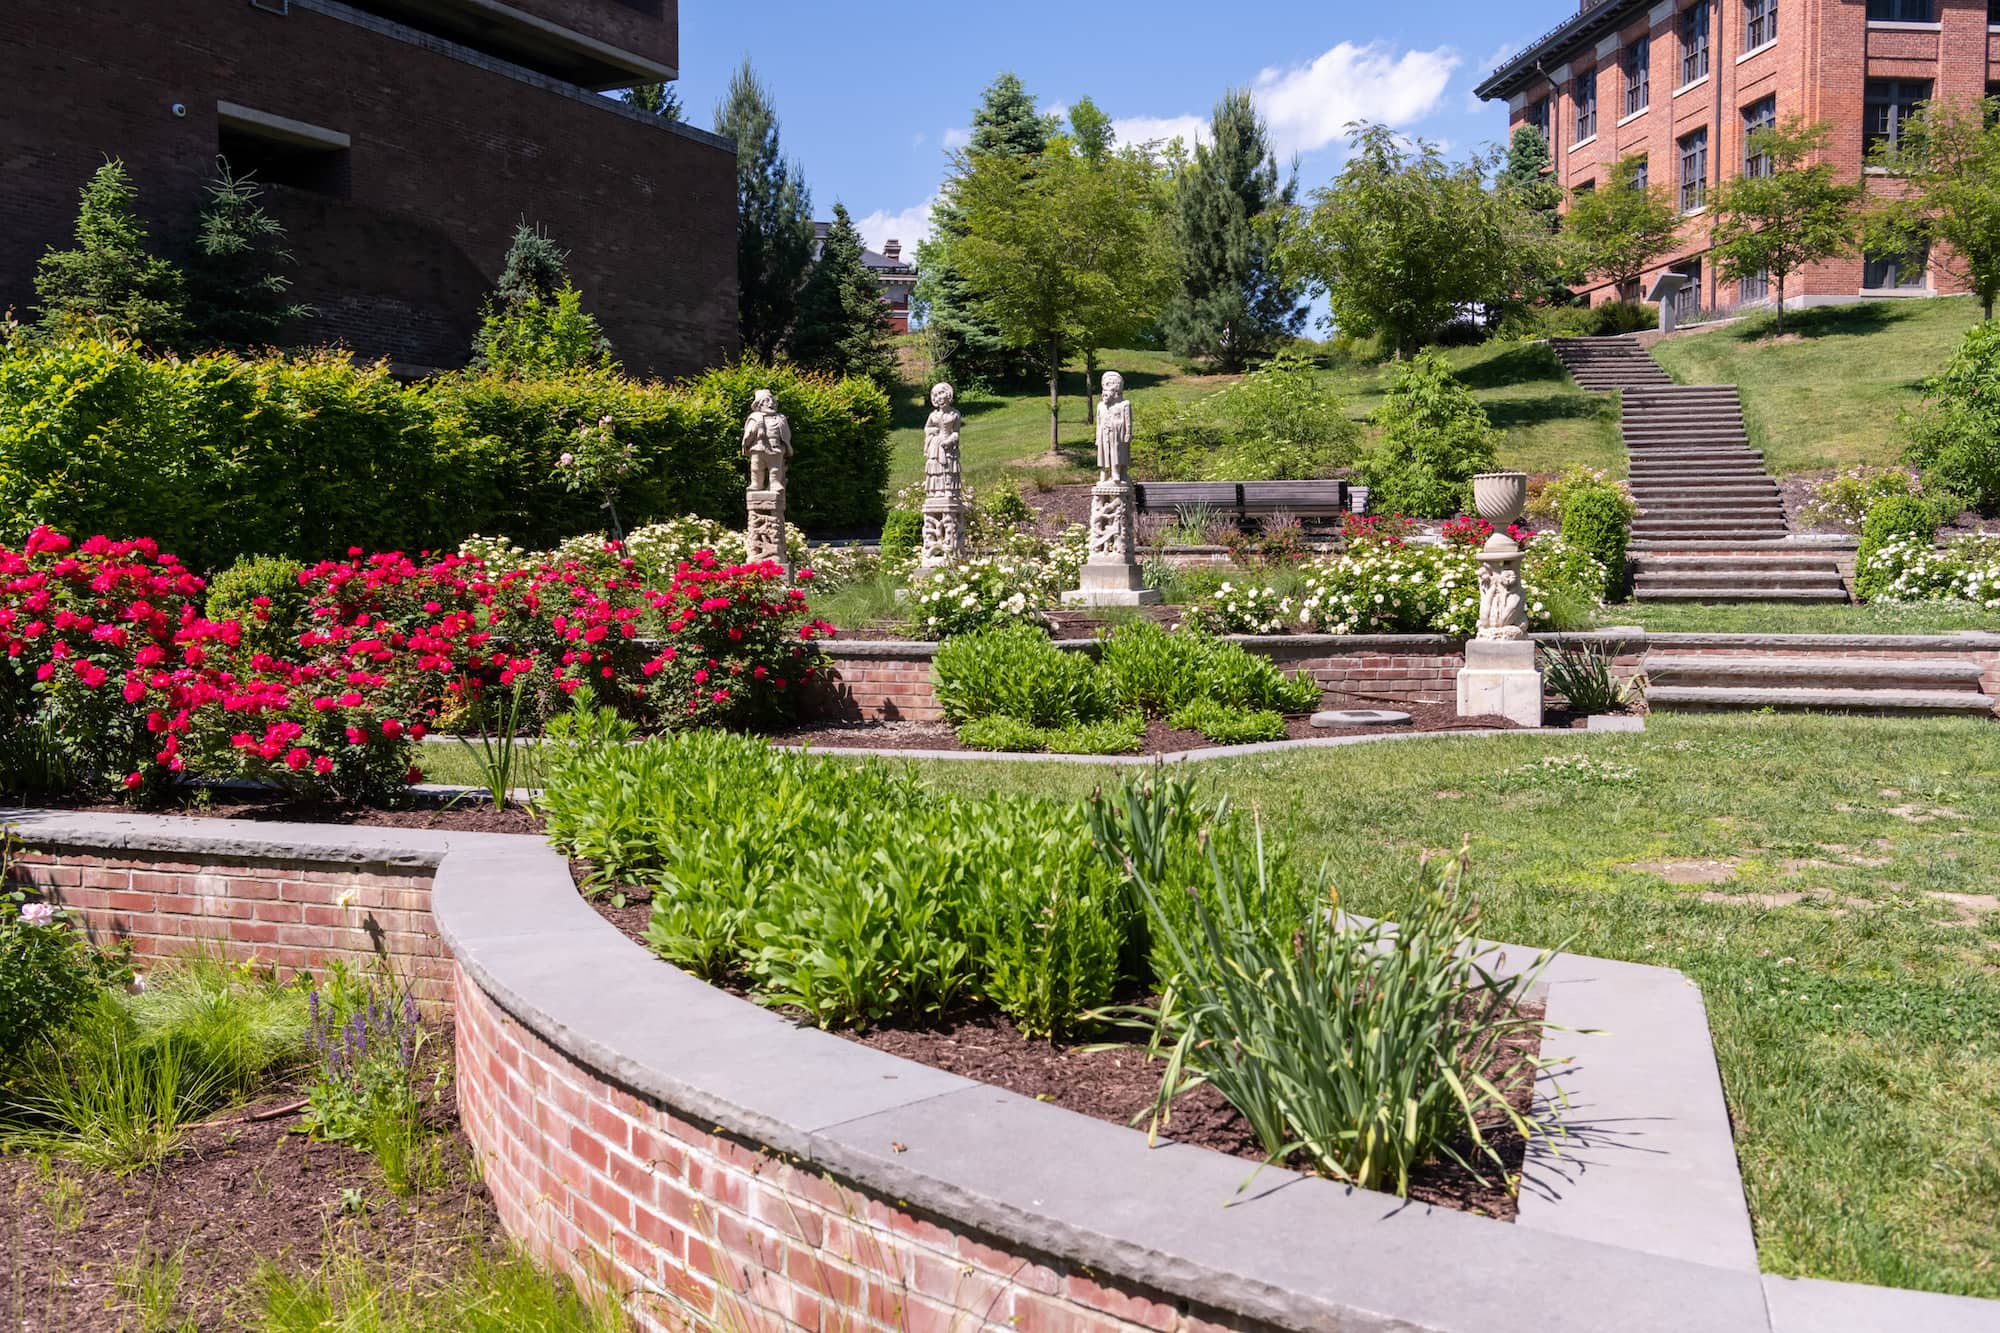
1363 1050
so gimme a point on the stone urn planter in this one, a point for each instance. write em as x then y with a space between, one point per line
1500 496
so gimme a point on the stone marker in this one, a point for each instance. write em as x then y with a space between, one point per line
1110 577
944 491
767 443
1500 675
1360 717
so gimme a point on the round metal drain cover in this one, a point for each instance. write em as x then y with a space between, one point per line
1361 717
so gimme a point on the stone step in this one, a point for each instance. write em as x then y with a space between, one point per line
1708 529
1669 562
1738 592
1853 673
1691 698
1669 455
1648 583
1731 430
1672 501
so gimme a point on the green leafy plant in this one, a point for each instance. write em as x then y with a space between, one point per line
1435 438
496 744
1227 725
1843 500
1955 436
263 595
1001 732
48 970
1896 519
1016 671
367 1039
1363 1049
1597 520
1583 675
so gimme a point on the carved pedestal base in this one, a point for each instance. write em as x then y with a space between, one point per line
1111 576
764 536
944 531
1500 677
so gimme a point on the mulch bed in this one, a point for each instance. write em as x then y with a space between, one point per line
1160 738
240 1191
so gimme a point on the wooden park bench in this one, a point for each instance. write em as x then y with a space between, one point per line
1314 504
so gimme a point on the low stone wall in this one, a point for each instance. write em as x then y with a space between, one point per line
151 883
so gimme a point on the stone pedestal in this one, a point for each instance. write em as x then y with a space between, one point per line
1500 677
764 535
1111 577
944 531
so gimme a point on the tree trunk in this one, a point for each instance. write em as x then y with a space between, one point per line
1989 308
1055 396
1781 305
1090 389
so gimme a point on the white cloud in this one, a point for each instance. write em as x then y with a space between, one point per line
956 138
909 226
1309 106
1150 129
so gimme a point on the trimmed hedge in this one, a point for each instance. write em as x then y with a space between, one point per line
221 456
1598 519
1896 518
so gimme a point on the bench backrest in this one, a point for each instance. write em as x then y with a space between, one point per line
1241 496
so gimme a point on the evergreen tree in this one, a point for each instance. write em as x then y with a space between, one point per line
774 230
657 99
110 279
1527 177
534 321
1234 302
843 326
236 296
965 346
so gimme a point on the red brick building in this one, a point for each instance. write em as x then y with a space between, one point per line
400 141
1683 82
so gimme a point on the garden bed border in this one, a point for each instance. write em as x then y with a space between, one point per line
1082 1225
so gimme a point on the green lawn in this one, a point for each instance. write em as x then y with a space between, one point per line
1803 618
1545 422
1855 1003
1829 394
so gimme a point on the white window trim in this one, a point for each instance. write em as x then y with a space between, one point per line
1583 143
1881 292
1694 212
1627 120
1690 87
1874 171
1757 50
1897 25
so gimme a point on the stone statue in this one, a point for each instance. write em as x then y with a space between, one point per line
1501 613
767 442
1114 430
941 430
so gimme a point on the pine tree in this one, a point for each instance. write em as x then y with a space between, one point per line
657 99
965 346
843 326
534 321
236 296
110 280
1234 303
774 230
1527 177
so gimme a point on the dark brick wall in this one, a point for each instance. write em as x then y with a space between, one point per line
449 151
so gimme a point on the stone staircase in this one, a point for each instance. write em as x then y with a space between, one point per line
1711 524
1608 363
1693 682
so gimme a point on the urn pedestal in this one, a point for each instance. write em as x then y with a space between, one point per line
1500 678
1111 576
1499 675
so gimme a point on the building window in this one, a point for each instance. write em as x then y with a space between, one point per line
1694 170
1639 75
1756 287
1538 116
1894 272
1586 188
1641 178
1902 11
1694 42
1584 93
279 151
1759 115
1888 103
1760 23
1687 301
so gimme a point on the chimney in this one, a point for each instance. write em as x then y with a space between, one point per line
892 251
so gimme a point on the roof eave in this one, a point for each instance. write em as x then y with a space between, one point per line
1581 29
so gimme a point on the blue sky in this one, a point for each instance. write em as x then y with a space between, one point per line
871 97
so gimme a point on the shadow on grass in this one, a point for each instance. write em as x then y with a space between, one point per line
1511 413
1525 364
1827 321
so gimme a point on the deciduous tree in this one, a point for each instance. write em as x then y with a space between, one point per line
1794 214
1619 229
1947 157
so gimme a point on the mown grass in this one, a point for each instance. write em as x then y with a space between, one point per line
1857 1024
1802 618
1545 422
1829 394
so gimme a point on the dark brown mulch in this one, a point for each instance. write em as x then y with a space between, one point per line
1120 1083
241 1191
465 816
1160 738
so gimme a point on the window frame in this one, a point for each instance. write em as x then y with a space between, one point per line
1760 114
1692 147
1756 287
1877 262
1901 11
1638 67
1694 26
1760 24
1897 106
1583 97
1642 175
